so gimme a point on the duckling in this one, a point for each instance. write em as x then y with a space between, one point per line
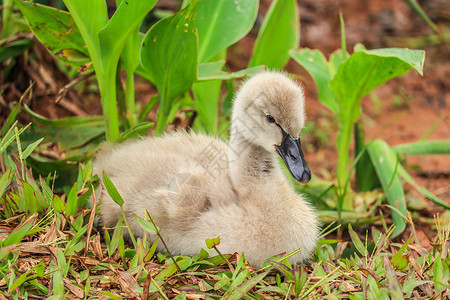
197 187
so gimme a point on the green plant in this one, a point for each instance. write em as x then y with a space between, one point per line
342 82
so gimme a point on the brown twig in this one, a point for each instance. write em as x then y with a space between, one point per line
64 90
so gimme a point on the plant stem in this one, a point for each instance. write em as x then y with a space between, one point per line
109 104
343 148
128 226
130 100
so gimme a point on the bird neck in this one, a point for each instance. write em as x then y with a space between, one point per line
250 165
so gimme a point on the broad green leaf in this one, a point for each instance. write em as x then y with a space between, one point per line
57 31
207 96
424 148
123 23
69 133
386 166
112 191
358 75
65 122
113 37
90 17
366 70
221 23
414 58
172 62
279 33
319 69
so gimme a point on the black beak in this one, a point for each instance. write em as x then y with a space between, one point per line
291 152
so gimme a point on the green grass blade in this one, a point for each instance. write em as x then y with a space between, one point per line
112 191
30 148
244 288
414 5
72 199
406 177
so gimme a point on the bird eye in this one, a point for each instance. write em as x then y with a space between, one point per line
270 119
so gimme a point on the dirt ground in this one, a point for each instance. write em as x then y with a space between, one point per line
402 111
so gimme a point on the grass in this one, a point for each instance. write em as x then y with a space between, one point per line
48 250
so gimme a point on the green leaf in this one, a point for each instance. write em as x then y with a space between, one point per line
358 75
72 199
14 49
285 270
167 272
271 48
5 180
115 34
319 69
221 23
146 225
172 62
57 31
113 37
368 69
138 130
357 241
58 204
386 166
391 277
112 191
406 177
20 232
31 148
424 148
244 288
211 243
90 17
207 96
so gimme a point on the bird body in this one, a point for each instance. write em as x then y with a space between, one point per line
197 187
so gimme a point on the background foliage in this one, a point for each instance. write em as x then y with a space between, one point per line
47 246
